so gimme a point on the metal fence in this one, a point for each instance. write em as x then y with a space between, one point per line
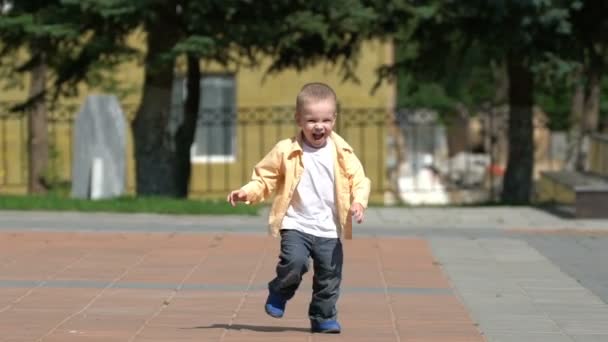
13 144
405 153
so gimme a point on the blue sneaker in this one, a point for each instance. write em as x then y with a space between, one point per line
275 305
326 327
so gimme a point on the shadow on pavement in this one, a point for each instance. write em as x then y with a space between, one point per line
259 328
561 211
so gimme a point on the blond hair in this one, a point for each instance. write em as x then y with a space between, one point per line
315 91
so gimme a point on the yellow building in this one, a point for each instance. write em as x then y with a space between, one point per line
222 154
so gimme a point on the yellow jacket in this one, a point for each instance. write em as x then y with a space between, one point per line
281 169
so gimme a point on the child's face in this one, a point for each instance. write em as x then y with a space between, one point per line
316 119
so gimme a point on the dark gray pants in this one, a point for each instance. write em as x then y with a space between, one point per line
326 253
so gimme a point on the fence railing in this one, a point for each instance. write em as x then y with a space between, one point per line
405 153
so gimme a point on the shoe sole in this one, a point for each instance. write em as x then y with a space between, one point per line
329 331
272 315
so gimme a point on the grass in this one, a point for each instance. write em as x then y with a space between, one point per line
159 205
59 201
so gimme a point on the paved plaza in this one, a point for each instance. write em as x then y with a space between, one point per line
427 274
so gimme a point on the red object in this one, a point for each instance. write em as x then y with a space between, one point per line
496 170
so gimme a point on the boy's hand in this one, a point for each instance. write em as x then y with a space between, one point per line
237 196
356 209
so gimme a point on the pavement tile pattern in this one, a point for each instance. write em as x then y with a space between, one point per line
496 274
516 294
85 286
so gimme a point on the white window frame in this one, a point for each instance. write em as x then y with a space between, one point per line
211 159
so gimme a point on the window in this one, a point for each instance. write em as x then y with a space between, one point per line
215 135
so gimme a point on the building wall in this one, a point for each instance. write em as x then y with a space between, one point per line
256 92
364 129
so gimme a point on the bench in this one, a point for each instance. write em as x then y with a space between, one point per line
586 192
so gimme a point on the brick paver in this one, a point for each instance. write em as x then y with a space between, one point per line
76 286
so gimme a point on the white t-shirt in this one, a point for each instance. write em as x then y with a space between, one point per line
312 209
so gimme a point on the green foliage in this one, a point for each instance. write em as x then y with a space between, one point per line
423 95
466 78
332 31
450 51
195 44
67 36
555 102
554 89
491 29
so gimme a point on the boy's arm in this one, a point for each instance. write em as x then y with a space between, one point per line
264 177
360 185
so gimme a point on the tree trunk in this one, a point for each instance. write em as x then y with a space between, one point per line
575 134
185 132
38 136
584 117
591 114
153 139
517 183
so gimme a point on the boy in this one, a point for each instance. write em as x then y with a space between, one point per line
319 184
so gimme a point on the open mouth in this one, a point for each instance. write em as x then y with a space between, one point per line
318 136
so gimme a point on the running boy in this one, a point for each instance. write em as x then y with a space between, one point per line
320 184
